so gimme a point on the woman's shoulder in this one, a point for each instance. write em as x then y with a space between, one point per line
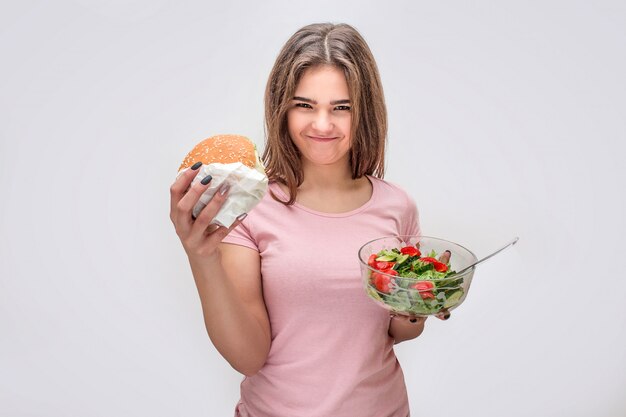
394 199
388 188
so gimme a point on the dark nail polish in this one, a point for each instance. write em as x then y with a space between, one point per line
447 316
206 180
413 320
242 216
196 165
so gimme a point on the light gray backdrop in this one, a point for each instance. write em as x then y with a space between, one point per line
506 118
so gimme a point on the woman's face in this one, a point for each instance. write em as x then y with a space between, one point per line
319 119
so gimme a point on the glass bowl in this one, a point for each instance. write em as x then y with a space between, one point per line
429 294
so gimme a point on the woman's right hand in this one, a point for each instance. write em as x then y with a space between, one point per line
199 237
228 277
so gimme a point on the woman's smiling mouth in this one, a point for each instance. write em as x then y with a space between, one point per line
321 138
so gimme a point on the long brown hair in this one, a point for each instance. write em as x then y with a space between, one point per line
342 46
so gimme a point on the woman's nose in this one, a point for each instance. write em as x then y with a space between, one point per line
322 122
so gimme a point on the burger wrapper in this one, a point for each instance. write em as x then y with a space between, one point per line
247 188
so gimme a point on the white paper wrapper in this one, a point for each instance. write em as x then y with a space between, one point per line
247 188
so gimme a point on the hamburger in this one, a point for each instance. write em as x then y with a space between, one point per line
224 149
232 159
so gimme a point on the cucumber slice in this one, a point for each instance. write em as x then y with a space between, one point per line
374 294
386 258
401 259
453 299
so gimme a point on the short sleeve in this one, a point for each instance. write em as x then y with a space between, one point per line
242 235
411 224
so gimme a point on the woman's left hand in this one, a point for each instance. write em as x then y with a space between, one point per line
413 320
443 314
403 328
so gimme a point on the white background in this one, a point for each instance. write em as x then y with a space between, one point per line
506 119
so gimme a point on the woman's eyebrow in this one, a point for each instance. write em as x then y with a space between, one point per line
308 100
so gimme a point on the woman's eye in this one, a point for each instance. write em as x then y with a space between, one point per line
304 105
343 108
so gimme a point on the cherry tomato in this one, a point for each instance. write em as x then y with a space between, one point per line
382 265
410 250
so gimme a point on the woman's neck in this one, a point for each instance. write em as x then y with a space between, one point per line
331 189
326 177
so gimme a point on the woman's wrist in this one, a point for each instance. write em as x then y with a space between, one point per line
204 259
204 266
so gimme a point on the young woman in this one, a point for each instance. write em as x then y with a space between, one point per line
281 289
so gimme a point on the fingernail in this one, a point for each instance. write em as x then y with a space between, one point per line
446 316
242 216
206 180
224 189
413 320
196 165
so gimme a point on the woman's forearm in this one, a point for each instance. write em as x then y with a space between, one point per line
240 336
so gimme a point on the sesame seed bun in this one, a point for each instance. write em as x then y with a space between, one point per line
224 149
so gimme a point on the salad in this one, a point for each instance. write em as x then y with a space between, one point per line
413 284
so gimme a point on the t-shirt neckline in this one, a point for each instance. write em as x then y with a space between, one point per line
280 193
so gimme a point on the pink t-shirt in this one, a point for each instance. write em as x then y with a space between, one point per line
330 354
